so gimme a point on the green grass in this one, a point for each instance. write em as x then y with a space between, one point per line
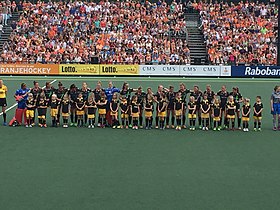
57 168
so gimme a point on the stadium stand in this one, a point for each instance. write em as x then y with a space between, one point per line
119 32
239 33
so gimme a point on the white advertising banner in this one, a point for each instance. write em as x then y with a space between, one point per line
225 71
160 70
212 71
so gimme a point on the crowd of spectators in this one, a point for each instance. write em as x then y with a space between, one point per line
121 32
237 34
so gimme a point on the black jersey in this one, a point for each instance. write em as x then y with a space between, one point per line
96 93
124 105
134 107
184 94
236 96
126 94
102 100
48 92
85 93
197 96
162 105
246 108
73 95
54 104
91 107
65 106
216 110
36 93
140 98
114 105
230 106
60 92
171 97
149 106
192 105
178 104
205 104
223 97
30 104
210 95
42 104
80 102
258 107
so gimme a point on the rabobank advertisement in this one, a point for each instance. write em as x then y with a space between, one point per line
255 71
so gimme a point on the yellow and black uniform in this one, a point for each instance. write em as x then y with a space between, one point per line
246 112
102 108
162 108
124 109
192 111
114 106
30 105
149 106
134 109
231 106
178 106
258 107
205 105
80 104
217 112
91 109
65 107
3 100
54 107
42 109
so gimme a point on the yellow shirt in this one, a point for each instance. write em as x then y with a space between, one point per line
3 91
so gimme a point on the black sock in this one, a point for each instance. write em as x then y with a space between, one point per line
203 122
207 122
215 123
86 118
184 119
141 120
147 122
220 123
259 124
244 125
89 121
58 118
172 120
199 121
129 120
239 122
76 118
82 122
152 119
5 117
225 121
193 122
156 121
167 120
123 121
247 125
255 124
150 122
72 118
99 119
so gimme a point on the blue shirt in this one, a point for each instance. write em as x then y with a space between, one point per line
109 93
21 92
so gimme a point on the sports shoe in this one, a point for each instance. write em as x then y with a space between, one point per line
259 129
66 126
167 126
114 127
214 129
30 126
156 127
184 126
88 126
203 128
47 126
126 127
130 126
206 128
255 129
5 124
98 125
193 128
118 127
179 128
219 129
200 127
146 127
244 129
27 126
71 124
172 126
136 127
239 128
274 128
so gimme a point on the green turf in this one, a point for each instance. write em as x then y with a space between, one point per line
57 168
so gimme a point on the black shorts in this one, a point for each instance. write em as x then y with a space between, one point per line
170 106
237 106
42 112
3 102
